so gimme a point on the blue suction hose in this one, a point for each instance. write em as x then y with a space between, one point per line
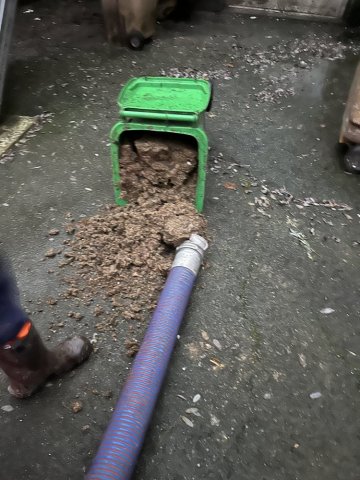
124 437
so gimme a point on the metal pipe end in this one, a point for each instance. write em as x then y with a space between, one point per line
190 253
199 241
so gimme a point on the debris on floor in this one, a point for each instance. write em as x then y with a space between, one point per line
188 72
187 421
327 310
302 360
271 94
76 406
12 130
300 236
132 347
315 395
193 411
214 421
123 254
52 252
196 398
295 56
17 130
7 408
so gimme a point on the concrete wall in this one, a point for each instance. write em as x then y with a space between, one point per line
326 8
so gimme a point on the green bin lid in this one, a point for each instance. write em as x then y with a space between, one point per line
165 94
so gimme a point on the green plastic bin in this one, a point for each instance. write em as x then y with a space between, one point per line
162 104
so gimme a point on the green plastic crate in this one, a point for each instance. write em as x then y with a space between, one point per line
163 104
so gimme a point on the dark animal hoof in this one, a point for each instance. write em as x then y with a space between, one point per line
352 159
136 41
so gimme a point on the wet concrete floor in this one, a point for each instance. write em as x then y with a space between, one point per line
280 89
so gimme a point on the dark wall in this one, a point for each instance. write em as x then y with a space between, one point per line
211 5
6 28
352 13
185 8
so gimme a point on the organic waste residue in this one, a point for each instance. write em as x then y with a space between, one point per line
158 161
123 254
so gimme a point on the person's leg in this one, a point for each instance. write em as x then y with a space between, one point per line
23 356
12 316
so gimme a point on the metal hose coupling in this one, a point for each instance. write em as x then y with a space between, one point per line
190 253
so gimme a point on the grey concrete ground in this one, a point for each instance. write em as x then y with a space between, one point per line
271 269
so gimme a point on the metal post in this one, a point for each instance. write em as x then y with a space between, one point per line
7 17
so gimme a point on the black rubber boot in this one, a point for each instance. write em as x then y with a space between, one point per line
352 159
28 363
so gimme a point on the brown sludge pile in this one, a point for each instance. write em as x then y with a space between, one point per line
124 253
152 162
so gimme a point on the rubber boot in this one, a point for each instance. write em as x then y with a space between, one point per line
28 363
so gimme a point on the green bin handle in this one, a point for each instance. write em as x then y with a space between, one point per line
148 115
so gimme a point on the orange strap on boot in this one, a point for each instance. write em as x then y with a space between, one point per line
24 332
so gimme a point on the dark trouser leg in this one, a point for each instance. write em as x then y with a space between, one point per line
23 356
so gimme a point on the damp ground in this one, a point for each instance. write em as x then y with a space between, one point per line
269 349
